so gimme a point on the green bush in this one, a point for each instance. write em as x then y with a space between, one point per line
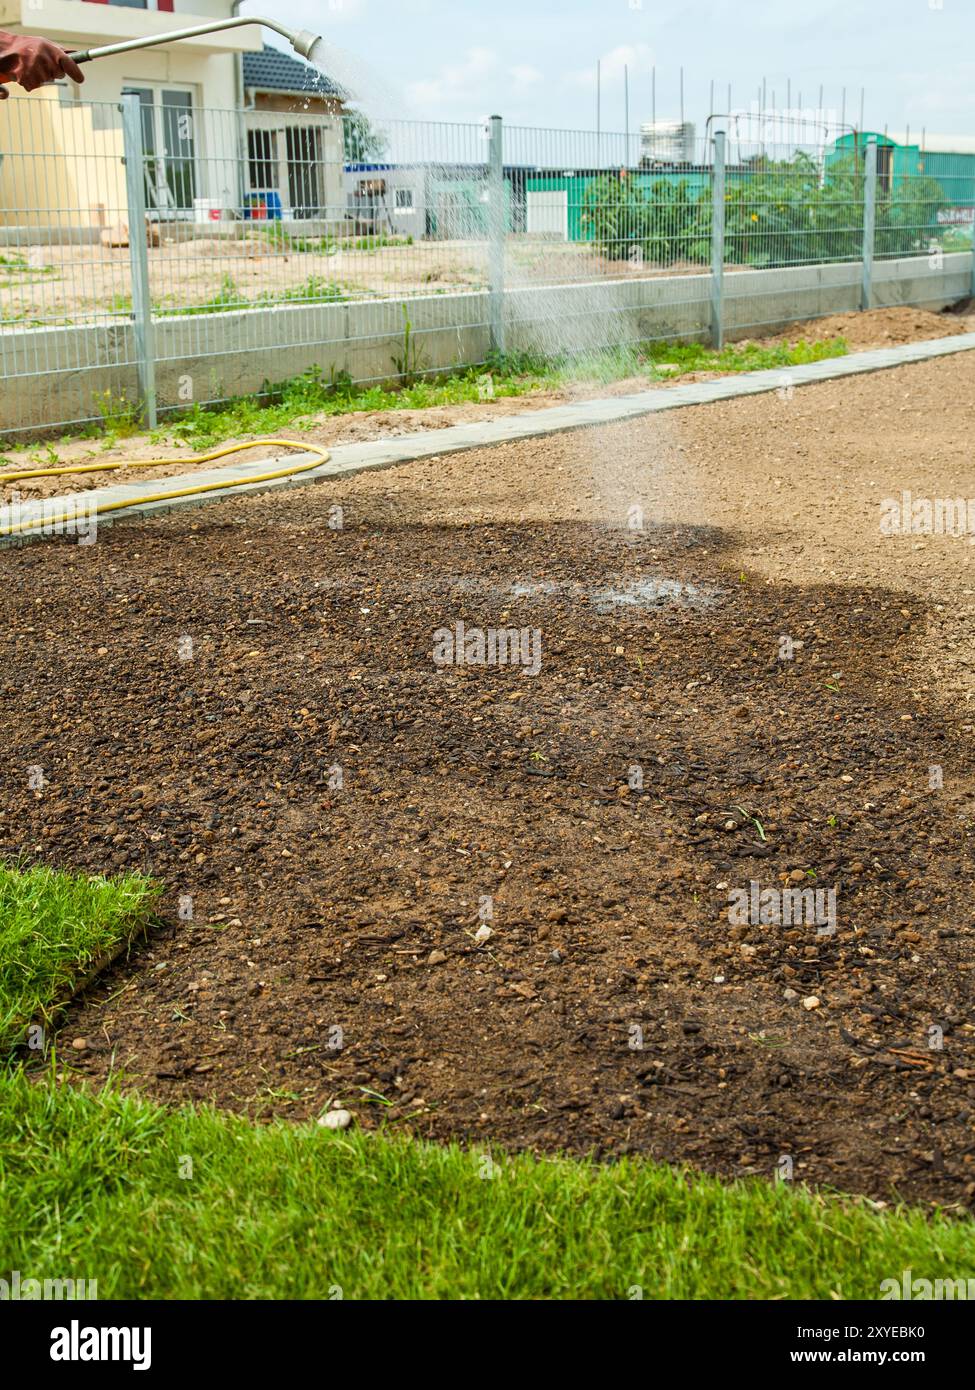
777 213
667 223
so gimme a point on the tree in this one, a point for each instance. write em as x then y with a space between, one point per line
362 141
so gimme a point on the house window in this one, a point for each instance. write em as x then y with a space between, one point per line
404 200
262 158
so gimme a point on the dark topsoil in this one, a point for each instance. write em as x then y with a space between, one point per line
318 908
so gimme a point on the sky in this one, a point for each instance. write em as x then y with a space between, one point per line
534 61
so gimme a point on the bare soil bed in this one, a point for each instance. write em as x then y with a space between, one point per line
72 283
614 1008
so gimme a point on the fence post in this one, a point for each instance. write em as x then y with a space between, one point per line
717 241
135 201
869 224
496 230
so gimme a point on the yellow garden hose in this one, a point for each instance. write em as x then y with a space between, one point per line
321 456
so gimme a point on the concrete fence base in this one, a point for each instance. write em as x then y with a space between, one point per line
217 356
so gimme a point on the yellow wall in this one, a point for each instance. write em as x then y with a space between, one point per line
86 145
55 166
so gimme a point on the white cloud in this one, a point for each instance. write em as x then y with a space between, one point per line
478 80
523 75
328 13
638 57
456 82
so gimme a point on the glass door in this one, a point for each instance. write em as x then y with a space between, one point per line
179 147
170 150
303 145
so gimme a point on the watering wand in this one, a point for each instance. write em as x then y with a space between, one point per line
301 40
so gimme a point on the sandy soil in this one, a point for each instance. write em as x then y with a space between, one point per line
67 284
879 328
601 811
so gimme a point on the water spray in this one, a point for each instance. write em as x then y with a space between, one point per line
301 40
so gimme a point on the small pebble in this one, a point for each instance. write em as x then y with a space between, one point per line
336 1119
810 1002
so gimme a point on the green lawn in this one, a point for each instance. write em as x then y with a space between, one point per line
191 1203
53 929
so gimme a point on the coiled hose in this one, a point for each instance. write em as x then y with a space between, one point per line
321 456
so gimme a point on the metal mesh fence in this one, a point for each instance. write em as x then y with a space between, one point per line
65 284
804 192
268 210
277 243
601 205
792 197
609 229
283 221
925 203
